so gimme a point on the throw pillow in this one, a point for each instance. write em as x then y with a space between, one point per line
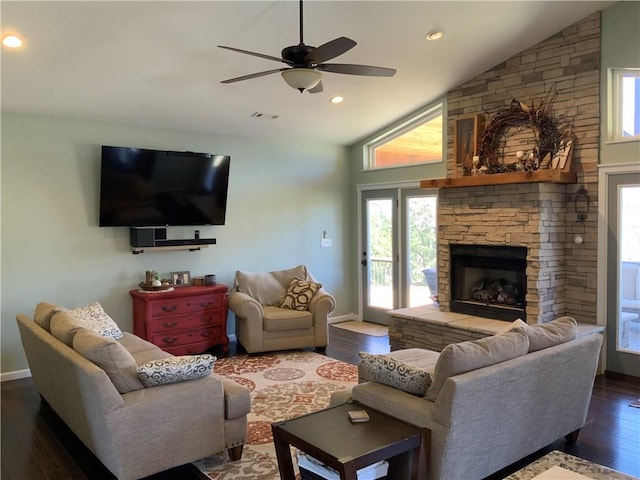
261 286
395 373
43 313
110 356
545 335
175 369
462 357
94 318
64 327
299 294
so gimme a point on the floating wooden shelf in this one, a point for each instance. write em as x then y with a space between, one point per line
537 176
191 248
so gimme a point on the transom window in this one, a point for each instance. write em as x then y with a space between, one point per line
625 104
417 141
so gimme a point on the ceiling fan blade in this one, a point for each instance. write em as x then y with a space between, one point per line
317 89
357 69
253 75
330 50
255 54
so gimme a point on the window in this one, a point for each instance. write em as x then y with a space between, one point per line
625 104
415 142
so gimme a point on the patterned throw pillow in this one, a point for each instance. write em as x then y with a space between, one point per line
175 369
395 373
94 318
299 294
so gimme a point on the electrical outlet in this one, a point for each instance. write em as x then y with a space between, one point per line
326 242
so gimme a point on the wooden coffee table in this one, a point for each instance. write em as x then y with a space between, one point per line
331 438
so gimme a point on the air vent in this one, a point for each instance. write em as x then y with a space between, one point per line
265 115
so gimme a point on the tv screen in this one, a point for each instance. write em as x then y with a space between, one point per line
146 188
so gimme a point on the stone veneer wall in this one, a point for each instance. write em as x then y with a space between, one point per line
561 275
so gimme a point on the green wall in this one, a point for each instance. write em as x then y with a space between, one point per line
282 197
620 49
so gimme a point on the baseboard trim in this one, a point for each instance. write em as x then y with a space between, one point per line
17 375
342 318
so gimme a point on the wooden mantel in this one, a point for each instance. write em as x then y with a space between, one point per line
537 176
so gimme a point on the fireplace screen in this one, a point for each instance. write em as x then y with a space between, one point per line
489 281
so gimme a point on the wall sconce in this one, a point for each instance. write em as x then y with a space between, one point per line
581 206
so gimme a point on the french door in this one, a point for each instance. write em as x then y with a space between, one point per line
398 250
622 274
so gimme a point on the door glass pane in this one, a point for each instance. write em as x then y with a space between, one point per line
380 264
629 284
421 255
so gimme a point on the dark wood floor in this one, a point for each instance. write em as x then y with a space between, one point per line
37 445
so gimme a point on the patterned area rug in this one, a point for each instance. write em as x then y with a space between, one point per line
367 328
283 386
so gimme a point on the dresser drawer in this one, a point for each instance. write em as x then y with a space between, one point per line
177 306
189 321
185 337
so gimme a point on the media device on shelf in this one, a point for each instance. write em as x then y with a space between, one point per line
156 188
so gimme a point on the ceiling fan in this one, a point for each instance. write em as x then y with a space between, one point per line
306 63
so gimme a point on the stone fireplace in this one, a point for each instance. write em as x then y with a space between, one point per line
521 220
488 280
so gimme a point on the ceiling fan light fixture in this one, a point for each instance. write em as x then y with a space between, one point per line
301 78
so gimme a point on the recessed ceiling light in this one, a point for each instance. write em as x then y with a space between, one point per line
434 35
337 99
12 41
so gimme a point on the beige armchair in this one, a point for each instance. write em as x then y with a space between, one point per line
273 312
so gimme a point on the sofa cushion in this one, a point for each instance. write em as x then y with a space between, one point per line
94 318
111 356
64 327
43 313
545 335
458 358
262 286
284 276
175 369
395 373
282 319
299 294
135 344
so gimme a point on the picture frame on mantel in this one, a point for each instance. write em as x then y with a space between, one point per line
468 130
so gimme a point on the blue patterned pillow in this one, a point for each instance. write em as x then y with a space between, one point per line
94 318
395 373
175 369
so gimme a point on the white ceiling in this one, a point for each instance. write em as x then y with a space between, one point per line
157 63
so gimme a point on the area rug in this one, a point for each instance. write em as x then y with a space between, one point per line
367 328
283 386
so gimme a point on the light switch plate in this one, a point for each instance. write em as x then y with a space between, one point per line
326 242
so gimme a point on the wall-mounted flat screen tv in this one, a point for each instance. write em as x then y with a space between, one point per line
146 188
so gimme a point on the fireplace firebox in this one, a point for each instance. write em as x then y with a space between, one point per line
489 281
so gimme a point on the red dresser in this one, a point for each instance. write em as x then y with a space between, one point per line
187 320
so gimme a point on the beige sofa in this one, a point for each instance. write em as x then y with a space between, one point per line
488 403
263 325
143 431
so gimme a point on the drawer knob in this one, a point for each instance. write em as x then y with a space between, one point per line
206 304
206 334
171 308
169 325
169 340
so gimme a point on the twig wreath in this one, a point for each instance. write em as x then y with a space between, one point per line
550 133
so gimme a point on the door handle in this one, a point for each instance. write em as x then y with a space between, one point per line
363 262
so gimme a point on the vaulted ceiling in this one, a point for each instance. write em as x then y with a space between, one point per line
157 63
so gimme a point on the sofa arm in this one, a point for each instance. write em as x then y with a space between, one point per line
244 306
237 399
322 304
